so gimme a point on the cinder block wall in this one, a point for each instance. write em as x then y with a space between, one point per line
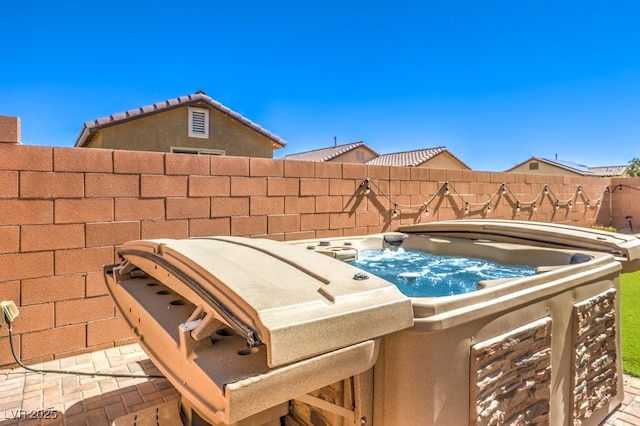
65 211
9 129
625 192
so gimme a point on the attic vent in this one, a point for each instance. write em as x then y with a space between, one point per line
198 123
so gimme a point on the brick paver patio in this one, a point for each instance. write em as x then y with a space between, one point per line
82 400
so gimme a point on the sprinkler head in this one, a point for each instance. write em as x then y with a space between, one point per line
629 219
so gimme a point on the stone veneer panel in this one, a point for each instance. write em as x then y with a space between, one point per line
595 374
510 377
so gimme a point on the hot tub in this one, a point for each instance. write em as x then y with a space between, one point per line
254 331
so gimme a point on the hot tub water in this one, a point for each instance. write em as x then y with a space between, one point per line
420 274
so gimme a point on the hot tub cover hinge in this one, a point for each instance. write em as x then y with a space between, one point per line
249 333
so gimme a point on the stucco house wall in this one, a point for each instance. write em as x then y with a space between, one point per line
443 160
361 154
543 169
169 128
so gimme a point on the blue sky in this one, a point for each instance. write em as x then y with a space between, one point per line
496 82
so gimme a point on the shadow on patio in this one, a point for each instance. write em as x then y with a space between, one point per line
28 398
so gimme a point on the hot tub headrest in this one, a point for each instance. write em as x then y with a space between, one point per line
579 258
393 240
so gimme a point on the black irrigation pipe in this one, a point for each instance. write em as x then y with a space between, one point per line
77 373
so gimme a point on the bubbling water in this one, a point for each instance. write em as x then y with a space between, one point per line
420 274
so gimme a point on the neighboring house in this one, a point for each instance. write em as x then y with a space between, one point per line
538 165
193 124
433 158
356 152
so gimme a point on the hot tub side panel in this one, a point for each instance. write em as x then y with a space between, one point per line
430 376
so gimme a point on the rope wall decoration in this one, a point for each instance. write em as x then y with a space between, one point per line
447 189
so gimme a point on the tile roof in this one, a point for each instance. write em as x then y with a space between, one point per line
409 158
607 171
90 127
326 154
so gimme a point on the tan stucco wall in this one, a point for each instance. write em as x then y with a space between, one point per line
443 160
159 132
352 156
543 169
